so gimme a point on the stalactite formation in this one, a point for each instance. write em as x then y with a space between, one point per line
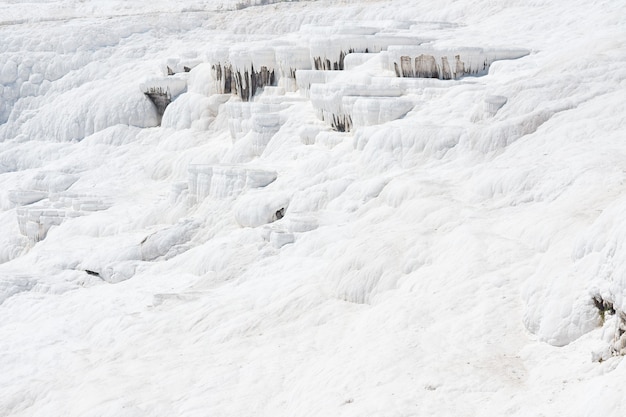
223 76
418 62
248 83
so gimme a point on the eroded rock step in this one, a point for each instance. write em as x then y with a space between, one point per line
446 63
224 181
36 220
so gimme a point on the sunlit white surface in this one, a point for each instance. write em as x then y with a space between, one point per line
244 259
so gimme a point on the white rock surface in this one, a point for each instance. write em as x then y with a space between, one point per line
459 252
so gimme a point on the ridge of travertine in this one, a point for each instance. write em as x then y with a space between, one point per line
316 208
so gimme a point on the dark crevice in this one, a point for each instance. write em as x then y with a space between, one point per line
161 98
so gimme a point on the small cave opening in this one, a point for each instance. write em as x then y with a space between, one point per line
161 98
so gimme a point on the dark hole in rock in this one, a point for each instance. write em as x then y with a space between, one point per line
280 213
160 98
94 273
603 305
187 69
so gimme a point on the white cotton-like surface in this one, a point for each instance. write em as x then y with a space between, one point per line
356 59
224 181
335 102
306 78
83 111
253 125
201 80
191 110
290 59
260 208
458 250
244 57
339 28
367 111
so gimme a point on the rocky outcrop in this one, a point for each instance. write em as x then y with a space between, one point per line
446 64
161 91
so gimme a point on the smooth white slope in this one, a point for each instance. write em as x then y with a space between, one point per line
442 264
